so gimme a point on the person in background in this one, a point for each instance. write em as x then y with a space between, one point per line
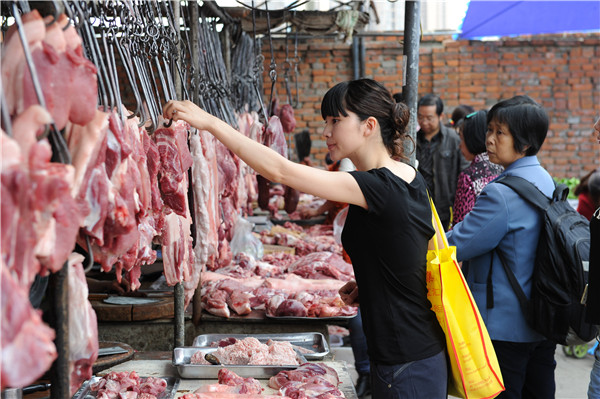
389 219
459 113
588 194
472 131
592 311
504 227
439 155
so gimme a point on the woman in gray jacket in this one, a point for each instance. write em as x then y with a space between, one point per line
503 223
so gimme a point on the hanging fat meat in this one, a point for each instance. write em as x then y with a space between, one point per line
176 239
27 348
68 80
205 184
83 326
274 136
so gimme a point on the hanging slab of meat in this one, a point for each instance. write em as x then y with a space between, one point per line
83 327
205 184
230 382
68 80
176 248
274 136
286 115
116 186
13 67
176 239
39 215
175 161
27 348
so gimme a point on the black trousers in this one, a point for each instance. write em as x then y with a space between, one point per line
527 369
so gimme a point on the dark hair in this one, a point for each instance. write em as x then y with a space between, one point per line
526 120
399 97
594 186
432 99
460 112
474 130
583 187
366 98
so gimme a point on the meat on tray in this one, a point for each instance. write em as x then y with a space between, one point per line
230 382
250 351
231 340
310 380
128 385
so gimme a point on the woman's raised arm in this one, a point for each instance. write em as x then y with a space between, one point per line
335 186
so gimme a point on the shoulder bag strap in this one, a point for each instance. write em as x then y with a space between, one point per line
523 300
527 190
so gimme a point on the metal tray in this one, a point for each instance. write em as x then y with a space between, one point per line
332 318
300 222
181 360
310 340
85 391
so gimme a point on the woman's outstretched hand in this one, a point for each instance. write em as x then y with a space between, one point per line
189 112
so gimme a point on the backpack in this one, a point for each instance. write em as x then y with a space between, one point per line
557 305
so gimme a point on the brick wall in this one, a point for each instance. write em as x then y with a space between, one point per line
560 71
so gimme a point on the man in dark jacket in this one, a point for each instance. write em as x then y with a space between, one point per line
439 155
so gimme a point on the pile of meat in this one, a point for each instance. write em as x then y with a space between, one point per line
310 380
128 385
302 286
250 351
305 241
230 383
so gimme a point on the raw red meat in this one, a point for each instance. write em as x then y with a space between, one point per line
27 347
303 373
275 137
83 327
68 80
175 161
286 115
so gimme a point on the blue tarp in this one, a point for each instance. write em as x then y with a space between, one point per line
509 18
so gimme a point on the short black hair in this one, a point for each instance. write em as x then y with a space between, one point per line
460 112
432 99
474 130
527 121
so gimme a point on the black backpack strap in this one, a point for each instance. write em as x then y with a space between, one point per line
523 301
528 191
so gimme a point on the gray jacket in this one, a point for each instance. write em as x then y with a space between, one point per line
448 162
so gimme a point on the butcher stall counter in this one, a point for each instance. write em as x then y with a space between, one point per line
156 335
159 364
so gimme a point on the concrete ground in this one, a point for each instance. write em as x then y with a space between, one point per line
572 374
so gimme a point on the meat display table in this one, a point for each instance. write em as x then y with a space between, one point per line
152 335
159 364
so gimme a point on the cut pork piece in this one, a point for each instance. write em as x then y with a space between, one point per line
83 327
27 344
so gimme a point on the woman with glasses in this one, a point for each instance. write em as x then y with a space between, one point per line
472 130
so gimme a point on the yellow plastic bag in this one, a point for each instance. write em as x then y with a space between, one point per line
475 372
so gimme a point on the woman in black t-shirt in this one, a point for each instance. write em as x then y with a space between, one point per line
386 233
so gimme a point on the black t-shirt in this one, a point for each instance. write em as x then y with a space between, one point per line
388 247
